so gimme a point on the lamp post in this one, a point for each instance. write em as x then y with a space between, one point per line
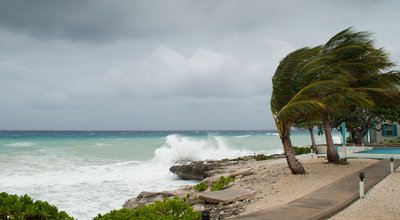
362 176
391 165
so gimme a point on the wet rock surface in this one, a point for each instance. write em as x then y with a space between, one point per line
199 170
194 171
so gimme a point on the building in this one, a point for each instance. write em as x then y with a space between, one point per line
384 133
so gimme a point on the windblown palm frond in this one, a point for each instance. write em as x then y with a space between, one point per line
346 37
347 99
318 89
297 110
389 79
287 80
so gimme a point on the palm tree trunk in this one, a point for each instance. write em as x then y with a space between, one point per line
313 145
332 154
294 165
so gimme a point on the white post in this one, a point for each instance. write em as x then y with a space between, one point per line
391 165
361 175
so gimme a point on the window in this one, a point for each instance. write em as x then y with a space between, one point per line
389 130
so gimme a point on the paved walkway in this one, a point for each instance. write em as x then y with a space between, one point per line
329 200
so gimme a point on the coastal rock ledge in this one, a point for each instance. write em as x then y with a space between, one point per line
194 171
145 198
200 170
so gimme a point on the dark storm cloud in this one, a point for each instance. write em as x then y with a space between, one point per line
95 19
73 20
104 20
110 20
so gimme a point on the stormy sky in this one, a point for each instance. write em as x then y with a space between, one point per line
162 64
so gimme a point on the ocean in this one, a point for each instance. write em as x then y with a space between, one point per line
89 172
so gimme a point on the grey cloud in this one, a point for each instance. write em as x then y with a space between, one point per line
176 64
167 73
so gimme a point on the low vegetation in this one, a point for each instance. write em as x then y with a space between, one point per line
168 209
392 142
220 184
15 207
263 157
343 161
24 208
302 150
202 186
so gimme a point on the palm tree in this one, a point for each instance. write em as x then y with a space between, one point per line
353 55
317 82
290 101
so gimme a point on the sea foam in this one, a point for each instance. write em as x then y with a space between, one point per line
20 144
178 149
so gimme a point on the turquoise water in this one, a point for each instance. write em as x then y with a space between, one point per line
90 172
381 151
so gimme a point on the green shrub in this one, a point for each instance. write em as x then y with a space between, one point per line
238 159
169 209
302 150
222 183
200 186
349 140
343 161
24 208
263 157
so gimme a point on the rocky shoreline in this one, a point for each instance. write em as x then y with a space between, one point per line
206 172
200 170
269 181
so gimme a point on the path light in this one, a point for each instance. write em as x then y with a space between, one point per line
362 176
205 215
391 165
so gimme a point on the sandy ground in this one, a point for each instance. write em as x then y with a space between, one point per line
381 202
275 185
